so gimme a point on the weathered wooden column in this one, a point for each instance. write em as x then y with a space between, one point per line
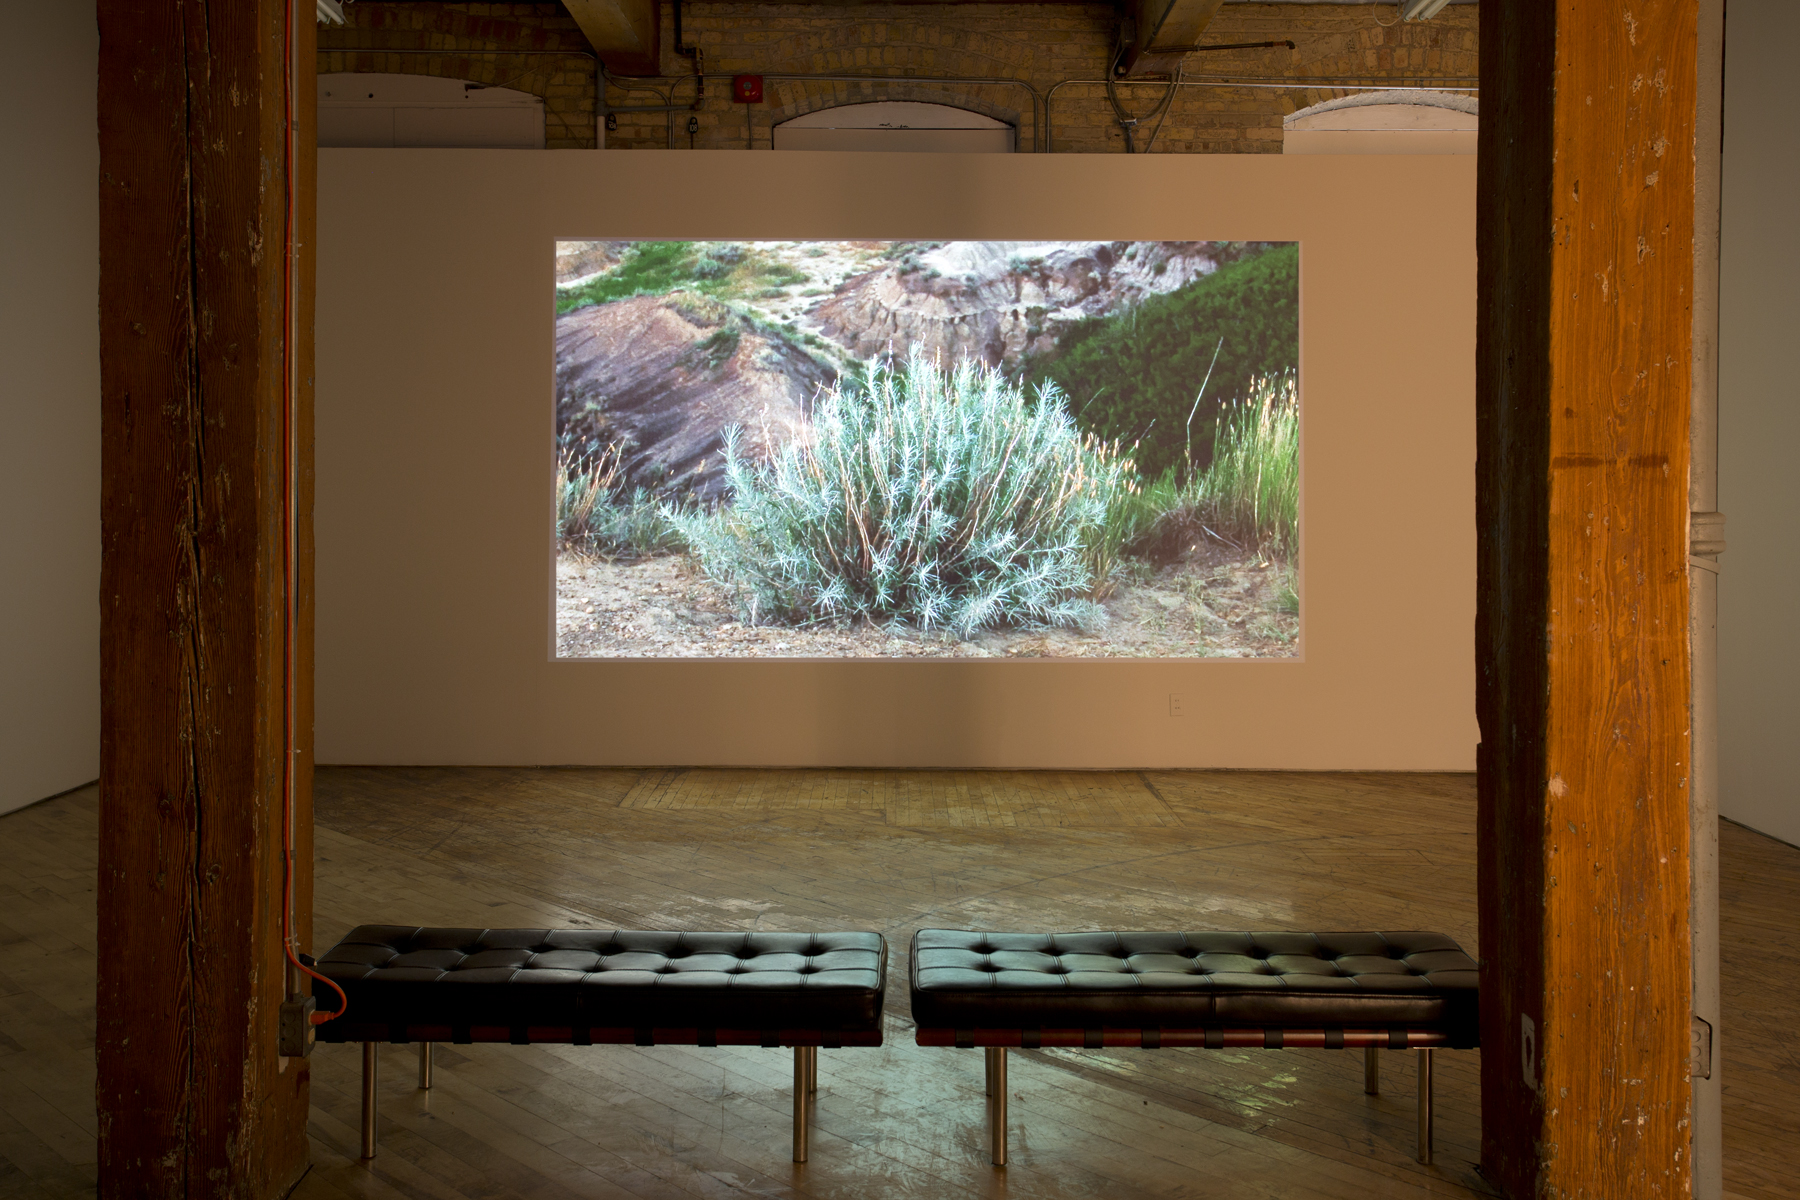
1585 235
193 1098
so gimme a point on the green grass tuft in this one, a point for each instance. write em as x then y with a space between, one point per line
595 516
1252 488
1250 495
724 270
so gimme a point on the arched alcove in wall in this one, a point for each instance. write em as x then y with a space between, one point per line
371 109
1387 122
896 125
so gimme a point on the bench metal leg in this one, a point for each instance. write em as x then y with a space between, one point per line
370 1063
806 1066
425 1066
1425 1104
1372 1070
987 1070
996 1073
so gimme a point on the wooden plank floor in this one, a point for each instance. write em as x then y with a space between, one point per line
1759 968
892 851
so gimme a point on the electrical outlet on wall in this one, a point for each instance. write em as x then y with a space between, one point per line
1177 704
295 1027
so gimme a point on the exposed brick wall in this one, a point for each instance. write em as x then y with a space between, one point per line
455 33
1040 44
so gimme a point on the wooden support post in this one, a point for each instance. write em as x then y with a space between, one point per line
193 1097
1585 241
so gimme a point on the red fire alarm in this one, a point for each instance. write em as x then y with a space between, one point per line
746 89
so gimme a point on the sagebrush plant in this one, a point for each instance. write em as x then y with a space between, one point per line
596 516
946 498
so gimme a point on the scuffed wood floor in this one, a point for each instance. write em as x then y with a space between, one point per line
891 851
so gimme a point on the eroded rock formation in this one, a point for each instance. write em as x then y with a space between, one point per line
998 301
664 376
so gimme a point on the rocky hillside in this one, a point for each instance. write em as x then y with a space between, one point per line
743 334
998 301
576 261
664 376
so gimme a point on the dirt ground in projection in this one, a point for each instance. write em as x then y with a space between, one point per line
1212 604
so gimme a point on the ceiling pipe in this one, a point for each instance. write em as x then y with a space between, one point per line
1283 42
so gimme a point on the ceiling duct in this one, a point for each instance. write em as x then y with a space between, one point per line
626 34
1160 33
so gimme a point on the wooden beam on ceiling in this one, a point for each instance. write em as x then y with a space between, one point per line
625 34
1162 32
1585 281
192 1094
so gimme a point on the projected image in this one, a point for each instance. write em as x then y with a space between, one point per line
900 449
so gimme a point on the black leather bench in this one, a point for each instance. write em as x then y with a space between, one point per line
1209 990
604 987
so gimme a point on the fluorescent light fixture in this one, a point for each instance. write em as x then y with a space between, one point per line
331 12
1410 10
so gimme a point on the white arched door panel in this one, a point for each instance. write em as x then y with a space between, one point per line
1391 122
369 109
896 125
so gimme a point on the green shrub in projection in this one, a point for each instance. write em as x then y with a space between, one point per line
727 270
943 498
1134 377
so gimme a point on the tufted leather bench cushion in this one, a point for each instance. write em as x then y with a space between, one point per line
404 981
963 979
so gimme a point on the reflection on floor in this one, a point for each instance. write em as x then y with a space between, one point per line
890 851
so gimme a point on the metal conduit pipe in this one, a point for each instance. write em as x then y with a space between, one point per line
1049 145
668 107
697 54
1282 42
599 71
636 83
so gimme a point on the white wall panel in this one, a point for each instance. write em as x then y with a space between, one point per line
49 401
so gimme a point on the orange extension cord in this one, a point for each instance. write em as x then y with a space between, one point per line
290 561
